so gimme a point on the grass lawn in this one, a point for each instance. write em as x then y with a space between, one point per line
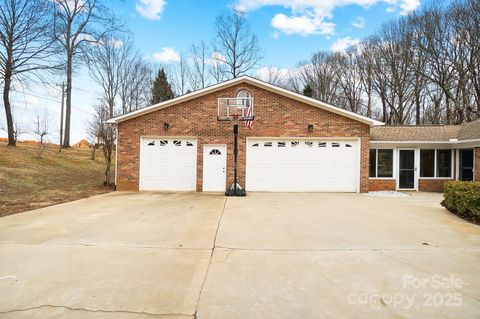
28 183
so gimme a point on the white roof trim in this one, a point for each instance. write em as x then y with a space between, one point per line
249 80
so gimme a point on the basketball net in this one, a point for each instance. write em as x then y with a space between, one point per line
235 118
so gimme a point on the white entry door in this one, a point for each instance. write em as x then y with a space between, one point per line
302 165
214 168
168 164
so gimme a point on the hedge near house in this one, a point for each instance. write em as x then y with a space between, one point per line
463 199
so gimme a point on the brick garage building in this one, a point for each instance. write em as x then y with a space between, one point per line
296 144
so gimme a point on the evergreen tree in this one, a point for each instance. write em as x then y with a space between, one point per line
308 91
161 90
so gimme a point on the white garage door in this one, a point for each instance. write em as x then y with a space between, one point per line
168 164
302 165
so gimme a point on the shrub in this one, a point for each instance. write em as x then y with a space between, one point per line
463 199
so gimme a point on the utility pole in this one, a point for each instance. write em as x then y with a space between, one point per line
61 117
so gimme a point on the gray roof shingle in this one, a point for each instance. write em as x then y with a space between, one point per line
434 133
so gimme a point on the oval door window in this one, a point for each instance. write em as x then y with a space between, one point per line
215 152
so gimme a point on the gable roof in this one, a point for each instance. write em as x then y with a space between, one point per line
470 130
254 82
426 133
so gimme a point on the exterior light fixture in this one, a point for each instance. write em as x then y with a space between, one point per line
166 126
310 127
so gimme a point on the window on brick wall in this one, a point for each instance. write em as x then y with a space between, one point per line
381 163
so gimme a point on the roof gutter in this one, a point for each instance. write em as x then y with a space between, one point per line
453 141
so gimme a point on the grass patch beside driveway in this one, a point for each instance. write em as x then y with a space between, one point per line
27 183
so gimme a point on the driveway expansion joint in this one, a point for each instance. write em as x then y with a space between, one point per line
211 256
97 311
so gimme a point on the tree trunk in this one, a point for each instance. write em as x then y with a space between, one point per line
68 110
12 141
418 108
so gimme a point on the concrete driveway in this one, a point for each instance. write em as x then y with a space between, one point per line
147 255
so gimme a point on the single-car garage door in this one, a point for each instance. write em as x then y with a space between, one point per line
168 164
300 165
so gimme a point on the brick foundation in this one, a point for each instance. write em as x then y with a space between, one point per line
432 185
382 184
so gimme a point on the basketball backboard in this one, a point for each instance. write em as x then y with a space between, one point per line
236 108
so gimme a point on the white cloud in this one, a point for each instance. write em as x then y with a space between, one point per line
359 22
343 44
390 9
304 25
408 6
308 17
167 55
216 58
150 9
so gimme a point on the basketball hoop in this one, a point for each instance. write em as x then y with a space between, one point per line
235 118
234 110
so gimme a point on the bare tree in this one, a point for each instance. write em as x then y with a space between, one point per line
179 75
104 134
349 80
107 60
135 83
199 69
41 130
273 75
236 42
78 23
365 65
320 74
217 67
24 46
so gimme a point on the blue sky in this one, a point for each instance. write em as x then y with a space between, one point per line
176 24
288 31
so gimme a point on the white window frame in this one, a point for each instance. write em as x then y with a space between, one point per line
435 173
376 164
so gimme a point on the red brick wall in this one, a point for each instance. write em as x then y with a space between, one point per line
382 184
432 185
275 115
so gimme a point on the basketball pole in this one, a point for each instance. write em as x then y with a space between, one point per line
235 157
235 191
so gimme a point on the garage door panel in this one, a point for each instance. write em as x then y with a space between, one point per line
168 164
310 165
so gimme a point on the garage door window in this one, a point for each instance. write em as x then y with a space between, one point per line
381 163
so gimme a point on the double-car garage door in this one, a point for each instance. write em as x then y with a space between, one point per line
300 165
275 164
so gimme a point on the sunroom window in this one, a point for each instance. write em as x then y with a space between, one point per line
381 163
444 163
427 163
436 163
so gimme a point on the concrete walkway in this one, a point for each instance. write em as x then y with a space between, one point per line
147 255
